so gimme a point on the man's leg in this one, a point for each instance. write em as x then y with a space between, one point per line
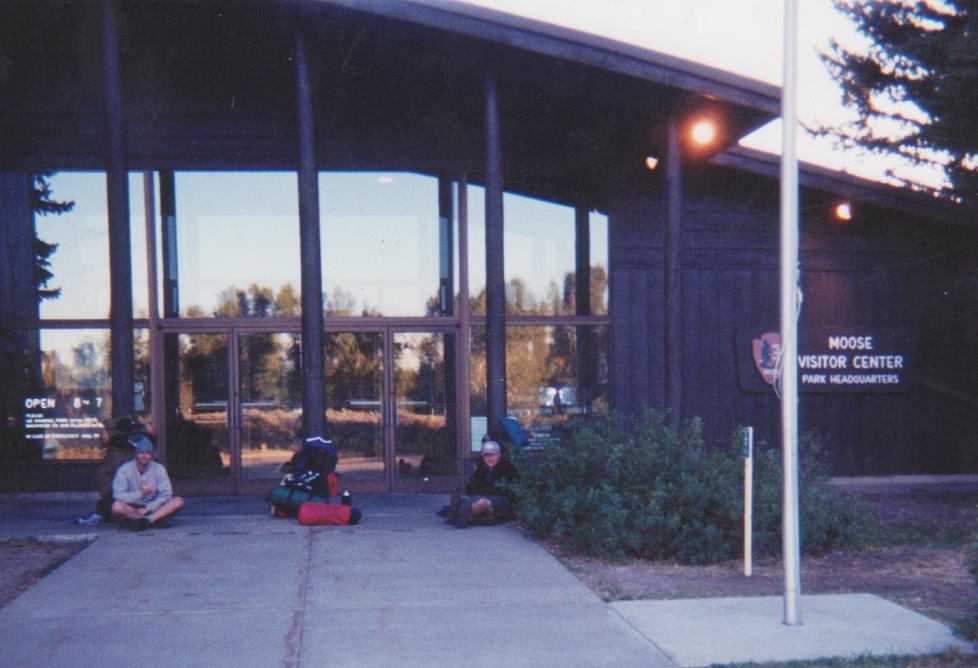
168 509
128 516
492 510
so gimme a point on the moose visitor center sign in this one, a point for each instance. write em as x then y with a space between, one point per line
830 359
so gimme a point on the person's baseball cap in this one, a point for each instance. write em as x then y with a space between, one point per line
490 448
140 443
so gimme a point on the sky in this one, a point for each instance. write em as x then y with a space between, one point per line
741 36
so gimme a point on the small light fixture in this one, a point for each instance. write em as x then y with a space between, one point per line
651 162
843 211
703 132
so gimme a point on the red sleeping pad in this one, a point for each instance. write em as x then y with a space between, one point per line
323 514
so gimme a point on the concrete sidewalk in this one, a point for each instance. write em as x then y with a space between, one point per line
230 586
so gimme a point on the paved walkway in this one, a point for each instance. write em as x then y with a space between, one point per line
230 586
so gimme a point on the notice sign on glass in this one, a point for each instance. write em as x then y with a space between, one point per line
830 359
65 425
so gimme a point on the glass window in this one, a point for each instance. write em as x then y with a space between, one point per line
71 391
237 243
540 256
598 223
539 251
80 263
553 372
381 243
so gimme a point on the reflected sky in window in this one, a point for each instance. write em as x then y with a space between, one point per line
380 241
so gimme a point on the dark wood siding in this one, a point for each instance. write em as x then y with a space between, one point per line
880 271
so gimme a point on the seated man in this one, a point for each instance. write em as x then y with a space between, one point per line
485 501
117 451
141 489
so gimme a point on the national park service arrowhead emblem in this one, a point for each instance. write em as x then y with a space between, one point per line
766 350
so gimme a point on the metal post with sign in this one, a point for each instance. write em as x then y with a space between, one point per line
748 440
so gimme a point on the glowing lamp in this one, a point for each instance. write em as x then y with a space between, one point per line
703 132
843 211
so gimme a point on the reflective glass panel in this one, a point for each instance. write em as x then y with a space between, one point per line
64 417
237 234
80 263
354 389
197 439
271 402
599 263
540 256
424 440
67 391
380 243
553 372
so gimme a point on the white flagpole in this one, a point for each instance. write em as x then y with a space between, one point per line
791 544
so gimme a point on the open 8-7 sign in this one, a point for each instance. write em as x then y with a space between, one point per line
65 425
831 359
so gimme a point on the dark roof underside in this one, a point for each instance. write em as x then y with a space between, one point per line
397 85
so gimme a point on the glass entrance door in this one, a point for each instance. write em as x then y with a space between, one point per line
391 409
424 409
235 404
355 407
233 401
268 418
196 399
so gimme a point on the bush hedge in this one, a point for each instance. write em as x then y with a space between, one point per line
969 626
621 488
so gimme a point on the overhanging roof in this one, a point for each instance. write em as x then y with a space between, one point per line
848 186
209 84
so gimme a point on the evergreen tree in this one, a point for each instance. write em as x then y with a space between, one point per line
42 203
913 85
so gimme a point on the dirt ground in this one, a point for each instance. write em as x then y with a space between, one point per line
917 561
25 561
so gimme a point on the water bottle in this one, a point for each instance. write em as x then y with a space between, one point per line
345 498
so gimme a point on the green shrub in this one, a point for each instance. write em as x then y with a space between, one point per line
969 626
620 489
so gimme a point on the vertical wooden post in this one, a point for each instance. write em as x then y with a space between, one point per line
495 270
673 289
120 259
313 373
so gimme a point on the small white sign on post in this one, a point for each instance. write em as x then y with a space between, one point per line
748 437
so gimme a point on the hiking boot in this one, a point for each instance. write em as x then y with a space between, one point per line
140 524
463 514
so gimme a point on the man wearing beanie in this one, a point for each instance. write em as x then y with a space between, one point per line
486 501
141 489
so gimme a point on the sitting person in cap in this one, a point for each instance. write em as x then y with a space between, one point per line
486 501
114 440
141 489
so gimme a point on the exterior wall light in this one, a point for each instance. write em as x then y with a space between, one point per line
703 132
651 162
843 211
